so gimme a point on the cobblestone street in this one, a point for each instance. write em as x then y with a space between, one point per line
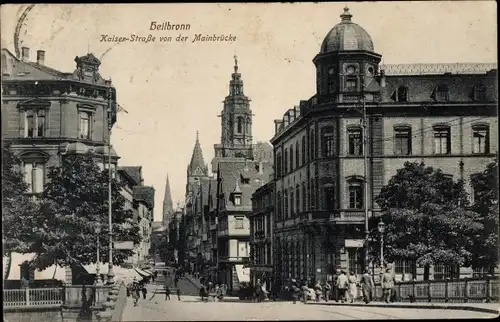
190 308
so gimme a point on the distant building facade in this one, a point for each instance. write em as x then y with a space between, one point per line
443 114
261 235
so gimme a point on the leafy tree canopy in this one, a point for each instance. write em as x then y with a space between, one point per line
74 213
426 218
18 209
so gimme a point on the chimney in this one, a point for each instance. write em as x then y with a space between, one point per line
40 57
25 54
382 78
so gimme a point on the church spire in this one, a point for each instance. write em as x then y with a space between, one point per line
197 158
236 83
168 207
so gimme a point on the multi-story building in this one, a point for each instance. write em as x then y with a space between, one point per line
261 234
47 114
140 199
441 114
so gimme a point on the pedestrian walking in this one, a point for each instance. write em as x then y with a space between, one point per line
167 292
135 294
343 285
179 294
327 291
318 290
304 292
335 288
258 290
144 291
295 291
353 286
367 286
176 280
203 293
387 284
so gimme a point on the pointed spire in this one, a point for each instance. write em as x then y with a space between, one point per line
197 157
235 63
168 207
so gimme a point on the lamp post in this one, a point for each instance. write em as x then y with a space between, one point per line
110 201
97 269
381 229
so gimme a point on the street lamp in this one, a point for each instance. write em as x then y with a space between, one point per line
97 269
110 201
381 229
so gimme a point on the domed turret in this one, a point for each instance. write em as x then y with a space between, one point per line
346 35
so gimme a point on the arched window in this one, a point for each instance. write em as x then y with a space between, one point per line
285 203
240 124
285 163
279 209
313 194
292 205
304 196
329 196
297 154
291 158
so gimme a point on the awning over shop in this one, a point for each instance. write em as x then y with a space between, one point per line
142 273
17 259
243 273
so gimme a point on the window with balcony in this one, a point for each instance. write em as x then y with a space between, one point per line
303 150
355 141
85 122
355 194
481 138
442 139
238 223
35 123
442 272
402 140
327 141
34 175
329 196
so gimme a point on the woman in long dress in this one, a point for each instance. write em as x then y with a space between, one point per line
353 288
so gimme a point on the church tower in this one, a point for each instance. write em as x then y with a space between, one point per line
197 168
236 121
168 207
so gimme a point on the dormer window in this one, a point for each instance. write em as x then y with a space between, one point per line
237 200
480 93
442 94
400 94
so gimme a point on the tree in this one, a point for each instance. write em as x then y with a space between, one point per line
427 218
486 204
73 204
18 209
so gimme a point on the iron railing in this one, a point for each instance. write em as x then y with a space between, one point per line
473 290
33 297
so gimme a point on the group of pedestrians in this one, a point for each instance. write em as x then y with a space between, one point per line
213 292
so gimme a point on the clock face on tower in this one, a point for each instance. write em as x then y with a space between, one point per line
351 69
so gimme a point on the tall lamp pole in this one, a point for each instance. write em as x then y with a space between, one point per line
365 170
111 274
98 255
381 229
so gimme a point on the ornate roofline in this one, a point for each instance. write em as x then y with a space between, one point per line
437 69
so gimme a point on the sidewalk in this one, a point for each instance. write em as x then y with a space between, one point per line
478 307
193 280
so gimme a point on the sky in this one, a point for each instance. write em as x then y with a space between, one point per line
173 89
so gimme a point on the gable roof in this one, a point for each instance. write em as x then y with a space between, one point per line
146 194
134 172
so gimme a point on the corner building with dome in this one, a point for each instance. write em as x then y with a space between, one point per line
442 114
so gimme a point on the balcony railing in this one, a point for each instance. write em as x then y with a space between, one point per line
33 297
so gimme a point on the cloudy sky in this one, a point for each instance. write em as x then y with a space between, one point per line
173 89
